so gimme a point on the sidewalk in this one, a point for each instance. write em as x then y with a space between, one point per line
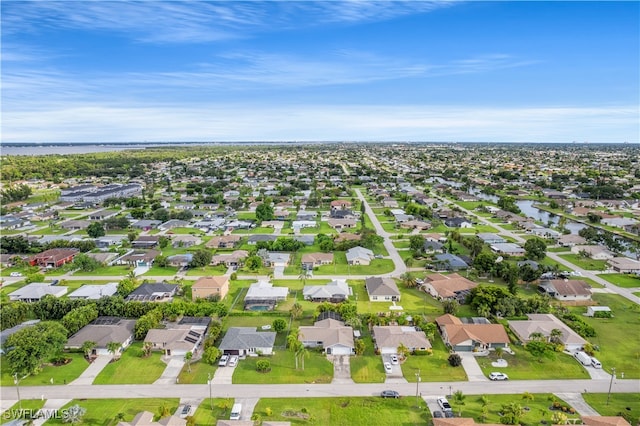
88 376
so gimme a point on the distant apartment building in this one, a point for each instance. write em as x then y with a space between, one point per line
97 194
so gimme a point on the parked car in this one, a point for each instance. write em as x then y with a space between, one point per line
438 414
498 376
394 359
444 404
233 360
387 368
390 394
185 411
448 413
15 274
223 361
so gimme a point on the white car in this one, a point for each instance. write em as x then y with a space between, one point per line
233 360
223 361
498 376
394 359
15 274
444 404
387 368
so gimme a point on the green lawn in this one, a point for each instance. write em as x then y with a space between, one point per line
132 368
367 368
206 416
25 404
524 366
588 264
538 407
433 368
60 375
199 374
207 271
616 348
317 369
340 266
622 280
103 412
107 270
169 271
620 404
344 411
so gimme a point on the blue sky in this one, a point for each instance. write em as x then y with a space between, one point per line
113 71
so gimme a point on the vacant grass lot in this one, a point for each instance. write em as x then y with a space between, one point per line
619 403
524 366
588 264
622 280
317 369
205 416
132 368
103 412
60 375
617 349
199 374
107 270
433 368
343 411
538 407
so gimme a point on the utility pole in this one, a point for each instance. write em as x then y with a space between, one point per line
613 373
209 379
16 381
417 387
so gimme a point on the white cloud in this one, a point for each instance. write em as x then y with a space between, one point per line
223 122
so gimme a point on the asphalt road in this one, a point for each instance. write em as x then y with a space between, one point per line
427 389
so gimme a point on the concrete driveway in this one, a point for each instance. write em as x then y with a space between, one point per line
471 367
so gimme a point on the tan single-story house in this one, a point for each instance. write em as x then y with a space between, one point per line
205 287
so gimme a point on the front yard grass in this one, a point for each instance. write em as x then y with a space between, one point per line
353 411
524 366
433 368
104 412
106 271
26 404
317 369
132 368
205 416
199 374
588 264
627 404
622 280
60 374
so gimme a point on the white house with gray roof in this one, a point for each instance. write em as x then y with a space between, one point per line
94 291
359 256
246 341
382 289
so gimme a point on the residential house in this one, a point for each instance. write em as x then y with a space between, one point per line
545 324
464 337
340 224
180 260
138 258
247 341
333 336
145 418
447 287
74 225
54 258
185 241
102 214
262 295
256 238
346 237
619 222
449 262
153 292
335 291
230 260
382 289
566 290
312 260
593 252
94 291
545 233
359 256
431 246
340 205
223 242
276 259
570 240
415 224
509 249
146 224
205 287
489 238
388 338
102 331
458 222
306 215
624 265
178 339
145 242
107 241
35 291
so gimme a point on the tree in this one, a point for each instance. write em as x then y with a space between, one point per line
253 263
85 263
211 355
403 351
263 366
459 398
88 347
264 211
279 325
302 353
296 311
455 360
95 230
528 274
34 345
294 344
416 243
126 286
485 261
114 349
201 258
187 357
146 349
359 346
511 414
535 249
161 214
161 261
73 414
555 336
408 280
450 306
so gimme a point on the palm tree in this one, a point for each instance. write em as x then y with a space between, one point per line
302 353
499 351
459 398
537 336
555 336
114 349
88 347
146 348
527 396
294 344
296 311
403 351
187 358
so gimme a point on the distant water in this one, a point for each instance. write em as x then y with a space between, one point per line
66 149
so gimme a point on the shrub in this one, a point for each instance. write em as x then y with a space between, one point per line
455 360
263 365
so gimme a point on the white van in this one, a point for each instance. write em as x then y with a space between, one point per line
595 363
235 412
583 358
